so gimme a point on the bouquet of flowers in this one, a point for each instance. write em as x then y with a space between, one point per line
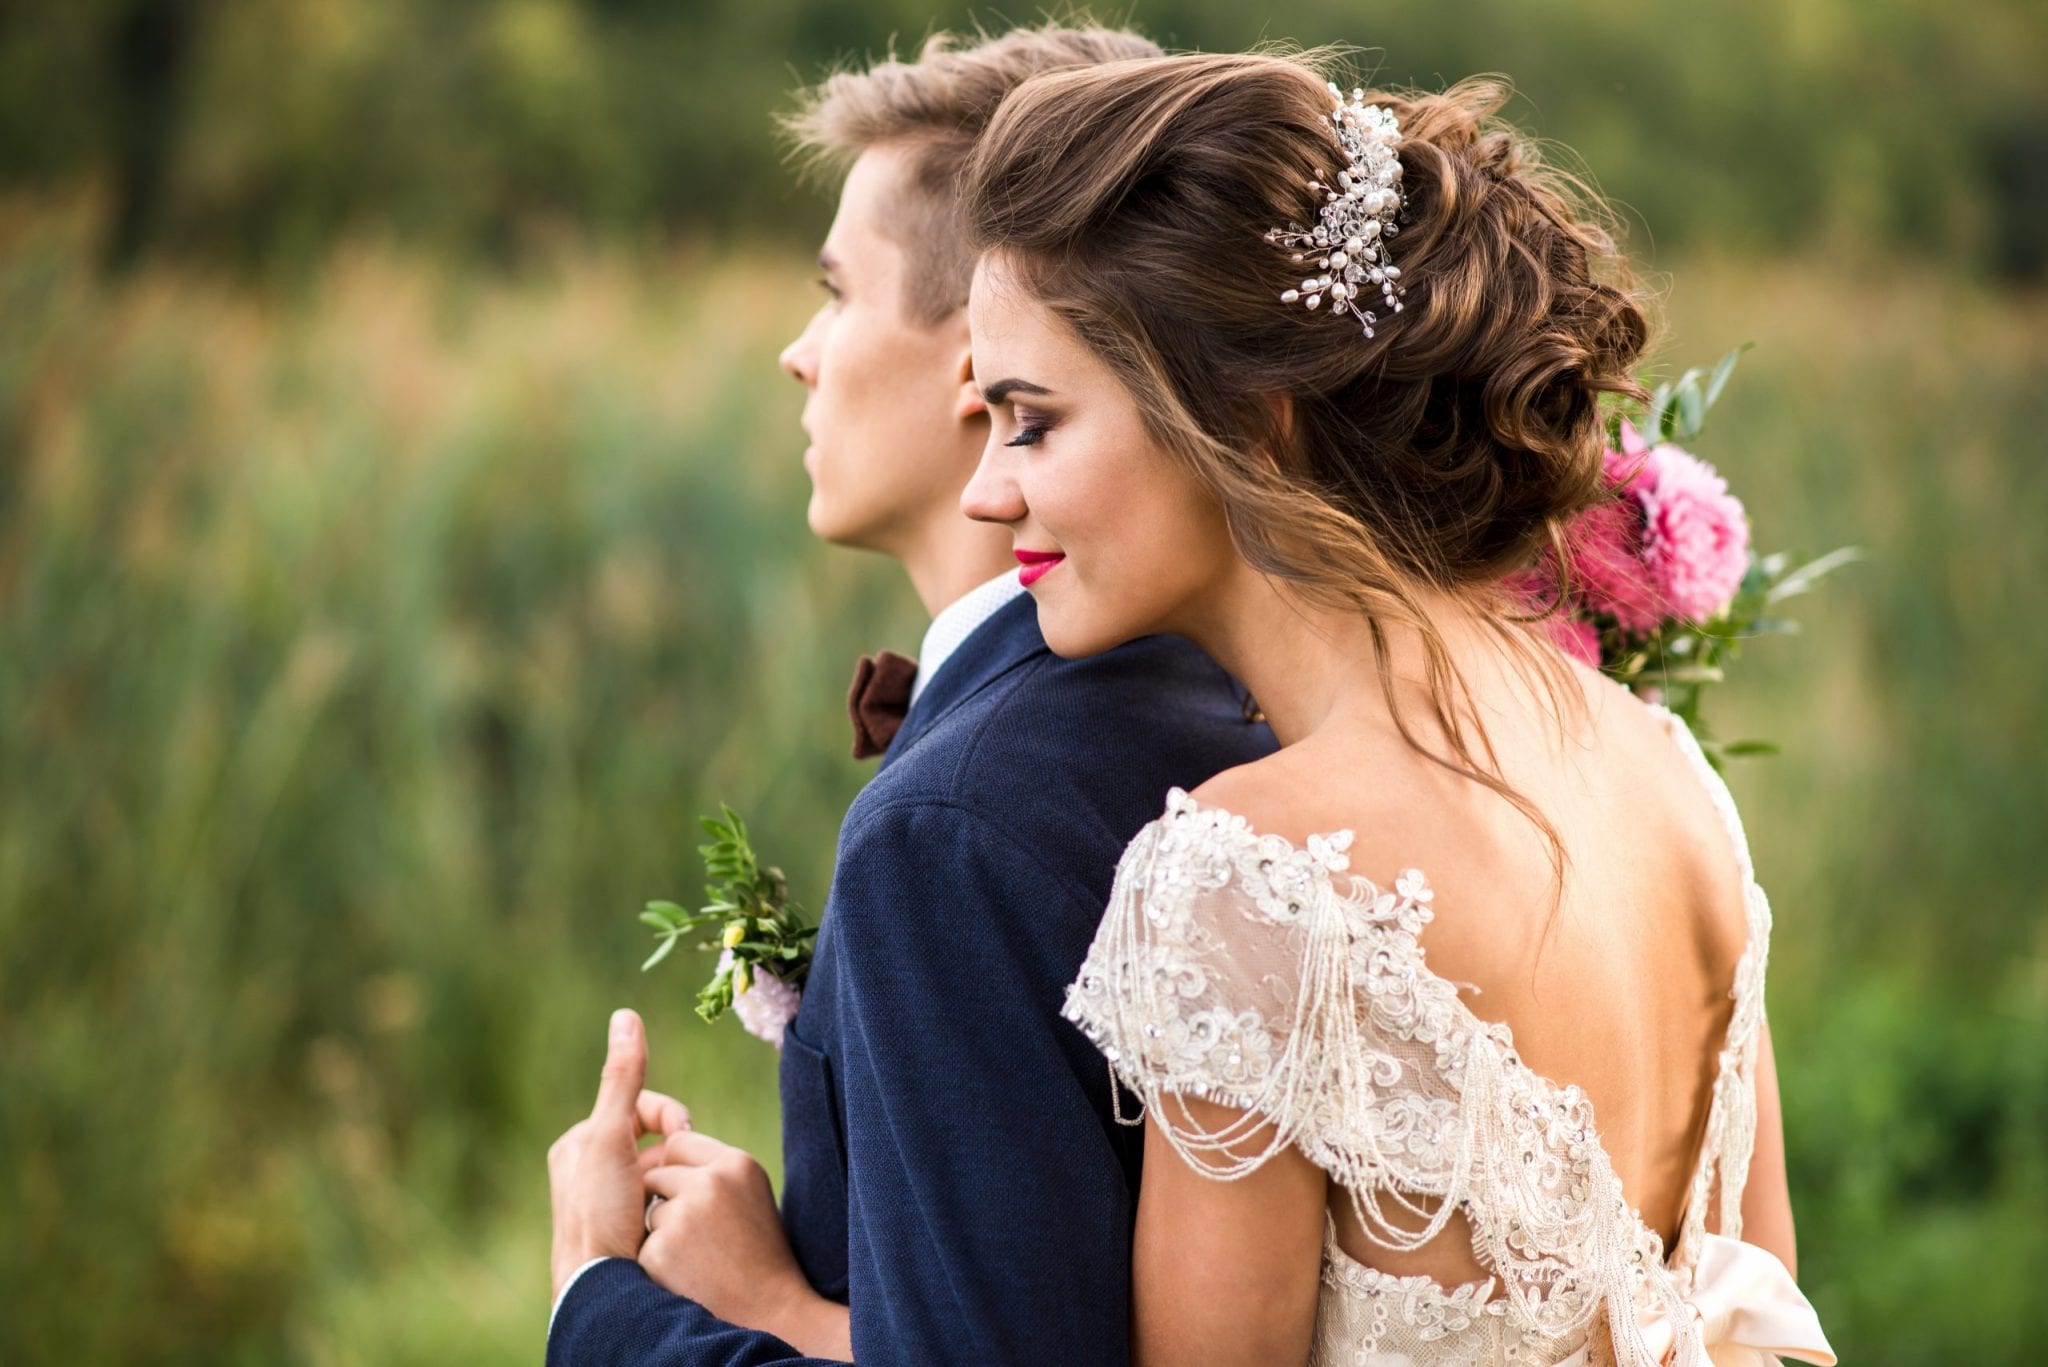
764 941
1658 585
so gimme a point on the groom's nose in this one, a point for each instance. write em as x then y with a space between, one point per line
799 360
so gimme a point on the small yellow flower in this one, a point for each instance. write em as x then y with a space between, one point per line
735 932
739 980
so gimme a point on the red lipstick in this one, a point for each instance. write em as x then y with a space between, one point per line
1037 564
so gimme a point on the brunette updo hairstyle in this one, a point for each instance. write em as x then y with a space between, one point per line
1444 452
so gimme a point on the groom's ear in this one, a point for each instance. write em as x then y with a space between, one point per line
967 400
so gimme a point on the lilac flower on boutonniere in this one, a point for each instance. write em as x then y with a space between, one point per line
764 1003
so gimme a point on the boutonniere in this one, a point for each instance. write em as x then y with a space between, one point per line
764 941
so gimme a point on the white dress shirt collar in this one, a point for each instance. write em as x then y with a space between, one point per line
957 621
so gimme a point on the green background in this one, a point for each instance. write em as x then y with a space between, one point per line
401 540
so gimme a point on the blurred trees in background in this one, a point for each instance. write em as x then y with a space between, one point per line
258 133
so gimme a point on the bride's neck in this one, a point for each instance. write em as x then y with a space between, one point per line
1313 668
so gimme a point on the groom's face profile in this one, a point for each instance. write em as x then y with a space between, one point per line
888 412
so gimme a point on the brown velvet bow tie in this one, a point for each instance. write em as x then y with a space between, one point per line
879 700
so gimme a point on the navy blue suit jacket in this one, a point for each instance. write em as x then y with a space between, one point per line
951 1166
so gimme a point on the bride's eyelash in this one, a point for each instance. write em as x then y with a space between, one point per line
1029 434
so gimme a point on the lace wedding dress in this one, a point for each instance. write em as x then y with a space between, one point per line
1240 968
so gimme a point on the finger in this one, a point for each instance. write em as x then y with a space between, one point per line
670 1180
625 1068
653 1156
658 1113
691 1149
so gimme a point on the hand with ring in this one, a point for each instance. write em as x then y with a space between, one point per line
716 1237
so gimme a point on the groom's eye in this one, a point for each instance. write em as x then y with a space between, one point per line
829 287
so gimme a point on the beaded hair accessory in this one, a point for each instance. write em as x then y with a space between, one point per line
1359 214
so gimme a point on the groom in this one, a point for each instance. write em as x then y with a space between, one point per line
953 1169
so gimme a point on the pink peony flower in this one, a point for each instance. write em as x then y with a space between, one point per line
767 1006
1608 571
1672 542
1695 534
1684 551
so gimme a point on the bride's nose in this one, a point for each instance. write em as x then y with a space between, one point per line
992 494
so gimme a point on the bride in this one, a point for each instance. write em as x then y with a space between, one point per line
1447 1018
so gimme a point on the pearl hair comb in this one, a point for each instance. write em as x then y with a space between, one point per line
1359 214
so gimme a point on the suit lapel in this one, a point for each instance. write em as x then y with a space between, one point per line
1000 644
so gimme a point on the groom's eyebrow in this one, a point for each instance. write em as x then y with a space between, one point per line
1001 390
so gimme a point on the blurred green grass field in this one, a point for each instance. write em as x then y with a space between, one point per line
367 650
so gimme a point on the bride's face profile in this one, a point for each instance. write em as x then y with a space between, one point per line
1114 537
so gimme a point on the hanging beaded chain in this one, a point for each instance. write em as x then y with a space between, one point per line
1358 216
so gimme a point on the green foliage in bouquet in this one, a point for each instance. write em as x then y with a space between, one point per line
759 926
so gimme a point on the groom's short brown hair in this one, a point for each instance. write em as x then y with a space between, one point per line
937 107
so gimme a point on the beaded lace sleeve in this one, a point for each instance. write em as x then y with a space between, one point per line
1229 966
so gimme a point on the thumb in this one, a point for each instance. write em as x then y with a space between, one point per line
625 1069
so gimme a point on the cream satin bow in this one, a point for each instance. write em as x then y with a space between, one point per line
1750 1312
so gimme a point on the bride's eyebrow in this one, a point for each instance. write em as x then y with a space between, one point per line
1001 390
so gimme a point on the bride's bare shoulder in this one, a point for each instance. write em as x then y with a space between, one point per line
1315 788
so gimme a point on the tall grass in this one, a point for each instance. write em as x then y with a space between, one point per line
365 660
366 652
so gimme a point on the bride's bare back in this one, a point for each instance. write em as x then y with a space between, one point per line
1623 989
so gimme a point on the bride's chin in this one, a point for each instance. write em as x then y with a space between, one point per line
1071 636
1065 646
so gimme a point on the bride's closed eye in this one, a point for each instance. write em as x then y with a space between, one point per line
1030 433
1031 428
